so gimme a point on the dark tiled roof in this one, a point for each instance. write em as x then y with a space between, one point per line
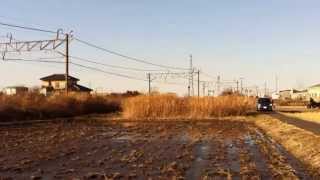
77 87
17 87
58 77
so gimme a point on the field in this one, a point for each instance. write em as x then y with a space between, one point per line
220 149
156 137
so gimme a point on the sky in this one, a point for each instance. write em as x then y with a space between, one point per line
254 40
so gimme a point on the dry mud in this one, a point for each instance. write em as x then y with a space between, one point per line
144 150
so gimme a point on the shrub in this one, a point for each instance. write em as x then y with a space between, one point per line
35 106
165 106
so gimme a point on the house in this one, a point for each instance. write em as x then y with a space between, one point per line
293 94
13 90
300 95
275 95
314 92
56 83
285 94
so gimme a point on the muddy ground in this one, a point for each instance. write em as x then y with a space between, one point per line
144 150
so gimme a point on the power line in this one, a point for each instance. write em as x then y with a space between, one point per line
33 60
109 65
125 56
208 75
27 28
107 72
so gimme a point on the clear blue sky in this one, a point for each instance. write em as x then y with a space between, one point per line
256 40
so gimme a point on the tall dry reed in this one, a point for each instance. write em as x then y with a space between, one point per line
171 106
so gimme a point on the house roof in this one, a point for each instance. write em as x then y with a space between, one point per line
58 77
316 85
294 90
16 87
286 90
78 87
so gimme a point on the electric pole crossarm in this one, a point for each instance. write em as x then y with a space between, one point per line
30 45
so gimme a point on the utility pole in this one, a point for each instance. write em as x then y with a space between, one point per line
241 85
265 88
237 86
218 85
191 89
149 83
257 91
204 88
67 63
277 84
198 73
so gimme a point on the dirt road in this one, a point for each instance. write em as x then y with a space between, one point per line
181 150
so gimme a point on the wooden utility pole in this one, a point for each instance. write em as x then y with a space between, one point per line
149 83
237 86
190 88
198 83
241 85
204 88
218 85
67 64
265 88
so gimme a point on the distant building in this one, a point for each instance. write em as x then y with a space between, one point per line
14 90
300 95
314 92
56 83
275 95
293 94
285 94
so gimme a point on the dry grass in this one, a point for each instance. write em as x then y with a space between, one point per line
291 102
301 143
171 106
35 106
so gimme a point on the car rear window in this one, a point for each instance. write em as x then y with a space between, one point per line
264 100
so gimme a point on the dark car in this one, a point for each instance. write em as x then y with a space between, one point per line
264 104
313 104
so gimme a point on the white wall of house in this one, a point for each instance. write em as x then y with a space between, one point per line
10 91
57 85
314 92
14 90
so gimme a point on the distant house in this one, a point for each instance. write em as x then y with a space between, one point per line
300 95
285 94
14 90
314 92
293 94
56 83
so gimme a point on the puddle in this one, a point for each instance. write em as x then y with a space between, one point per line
233 159
125 138
201 162
257 157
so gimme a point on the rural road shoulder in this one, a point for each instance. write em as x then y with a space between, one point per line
306 125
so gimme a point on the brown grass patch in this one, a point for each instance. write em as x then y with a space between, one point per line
35 106
301 143
171 106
